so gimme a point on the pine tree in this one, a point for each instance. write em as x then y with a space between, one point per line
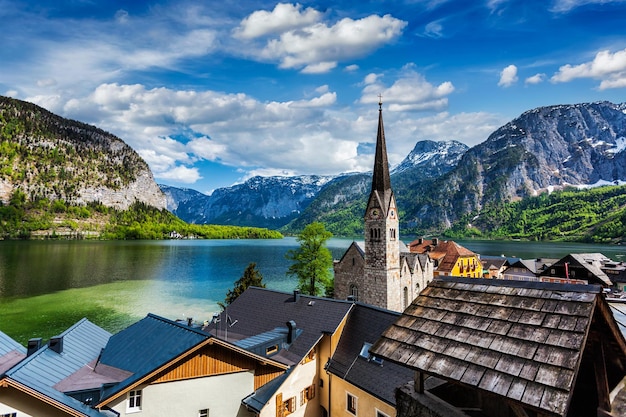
251 278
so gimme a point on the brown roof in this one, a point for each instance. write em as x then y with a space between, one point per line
446 251
520 340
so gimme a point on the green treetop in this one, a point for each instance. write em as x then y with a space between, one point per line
312 261
251 278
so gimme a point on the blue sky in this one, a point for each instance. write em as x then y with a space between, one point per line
211 93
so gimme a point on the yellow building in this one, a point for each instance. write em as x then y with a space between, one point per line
449 258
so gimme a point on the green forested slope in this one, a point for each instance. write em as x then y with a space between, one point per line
593 215
43 218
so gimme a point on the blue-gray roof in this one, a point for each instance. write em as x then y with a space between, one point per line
11 353
147 345
8 345
259 399
42 370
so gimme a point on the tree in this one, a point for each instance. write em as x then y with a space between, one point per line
251 277
312 261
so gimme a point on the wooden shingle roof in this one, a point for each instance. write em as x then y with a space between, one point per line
520 340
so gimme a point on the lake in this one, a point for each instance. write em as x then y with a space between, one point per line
183 278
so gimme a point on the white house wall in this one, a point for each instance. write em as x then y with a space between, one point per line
221 394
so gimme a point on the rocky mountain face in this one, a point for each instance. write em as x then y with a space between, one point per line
47 156
545 148
261 201
430 159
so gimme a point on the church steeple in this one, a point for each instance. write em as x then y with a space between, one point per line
380 180
381 269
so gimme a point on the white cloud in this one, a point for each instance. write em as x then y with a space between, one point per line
351 68
410 92
564 6
608 67
371 78
319 47
319 68
434 29
508 76
283 18
535 79
180 174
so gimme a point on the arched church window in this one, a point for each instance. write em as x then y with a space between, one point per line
354 292
405 296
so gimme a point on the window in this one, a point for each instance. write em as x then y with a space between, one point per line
307 394
271 349
134 401
351 401
203 413
9 415
354 292
289 406
405 296
380 414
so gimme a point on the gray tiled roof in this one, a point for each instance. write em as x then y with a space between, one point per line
365 324
519 340
147 345
43 369
260 310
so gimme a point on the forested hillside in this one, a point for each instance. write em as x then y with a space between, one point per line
46 219
593 215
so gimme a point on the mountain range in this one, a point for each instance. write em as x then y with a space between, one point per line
438 182
46 156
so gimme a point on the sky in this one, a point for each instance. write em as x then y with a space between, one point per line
211 93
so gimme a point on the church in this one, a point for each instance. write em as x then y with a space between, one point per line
381 271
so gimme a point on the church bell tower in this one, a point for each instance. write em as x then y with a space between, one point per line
381 286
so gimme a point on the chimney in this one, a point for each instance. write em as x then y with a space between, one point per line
435 241
56 344
420 241
291 331
296 296
33 346
189 321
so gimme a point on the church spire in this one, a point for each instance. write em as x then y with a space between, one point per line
380 180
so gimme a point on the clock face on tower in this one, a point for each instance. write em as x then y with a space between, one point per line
374 213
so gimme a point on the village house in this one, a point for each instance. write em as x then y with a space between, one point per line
493 266
526 269
449 258
161 367
29 387
381 271
499 348
360 383
298 331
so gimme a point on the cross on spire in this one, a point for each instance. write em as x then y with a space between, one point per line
380 102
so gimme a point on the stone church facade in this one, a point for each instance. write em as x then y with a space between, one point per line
381 271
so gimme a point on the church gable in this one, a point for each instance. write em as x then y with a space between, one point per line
349 271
